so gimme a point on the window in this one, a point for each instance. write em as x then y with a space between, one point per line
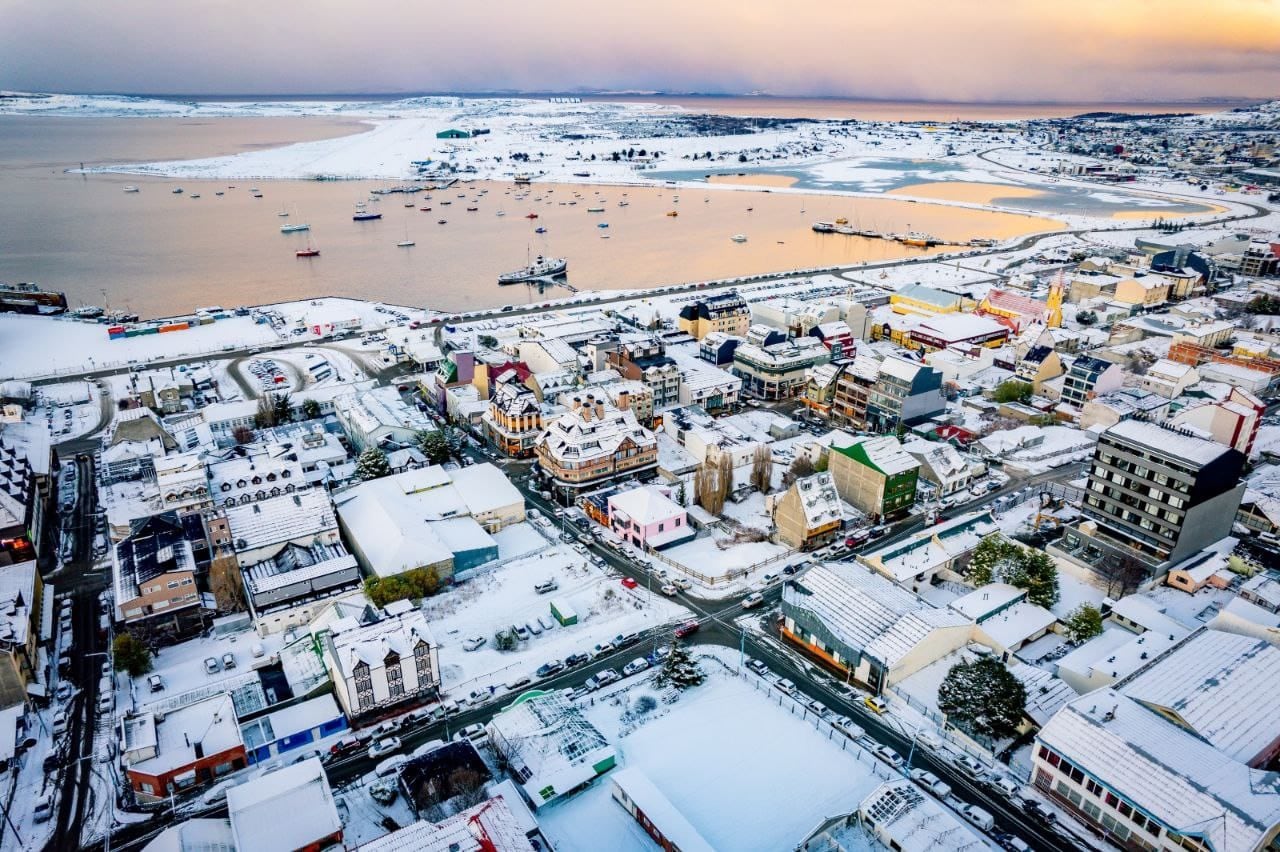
1092 810
144 787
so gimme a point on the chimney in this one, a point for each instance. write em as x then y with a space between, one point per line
624 400
599 410
199 749
586 413
577 403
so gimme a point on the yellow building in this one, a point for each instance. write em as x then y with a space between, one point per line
925 301
725 312
1147 291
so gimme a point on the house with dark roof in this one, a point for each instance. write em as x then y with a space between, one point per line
154 572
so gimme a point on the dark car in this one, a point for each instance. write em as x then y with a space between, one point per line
575 660
548 669
687 629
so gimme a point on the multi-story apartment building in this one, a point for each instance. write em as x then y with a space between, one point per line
1088 377
809 513
154 572
514 419
852 390
925 301
389 663
646 361
777 371
590 444
874 475
1157 493
724 312
905 393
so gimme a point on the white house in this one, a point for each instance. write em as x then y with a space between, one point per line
393 661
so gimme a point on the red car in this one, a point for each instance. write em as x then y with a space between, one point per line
687 629
628 582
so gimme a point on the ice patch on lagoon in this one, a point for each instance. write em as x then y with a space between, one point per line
1130 200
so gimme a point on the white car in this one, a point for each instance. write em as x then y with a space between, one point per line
752 600
785 685
978 817
669 590
391 765
636 666
473 642
931 782
384 747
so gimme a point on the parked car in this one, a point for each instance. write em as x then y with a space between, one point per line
59 723
752 600
634 667
888 755
345 747
928 739
876 704
931 782
623 640
601 649
471 643
978 817
1006 785
427 748
575 660
533 628
758 667
548 669
669 590
155 682
629 582
659 654
476 733
384 747
546 586
385 729
64 690
519 683
970 766
211 665
819 709
848 727
522 632
228 660
391 765
687 629
785 686
44 807
682 584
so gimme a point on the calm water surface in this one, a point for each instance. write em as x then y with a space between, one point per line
158 253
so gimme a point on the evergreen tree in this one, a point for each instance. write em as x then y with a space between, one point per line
679 669
1084 622
310 409
983 698
433 445
282 408
129 654
991 560
1035 572
372 464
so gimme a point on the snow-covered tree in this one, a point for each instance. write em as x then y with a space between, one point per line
679 670
983 698
991 560
997 559
1084 622
372 464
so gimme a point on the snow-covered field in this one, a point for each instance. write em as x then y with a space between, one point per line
501 595
40 346
67 409
775 774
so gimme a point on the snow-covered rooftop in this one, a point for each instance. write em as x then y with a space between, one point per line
288 808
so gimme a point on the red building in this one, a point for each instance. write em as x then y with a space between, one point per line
178 750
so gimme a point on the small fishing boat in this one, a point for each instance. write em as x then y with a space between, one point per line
500 213
602 224
739 238
595 209
472 209
194 195
408 204
130 188
406 243
283 212
294 227
425 209
539 230
362 214
177 190
672 213
441 221
308 252
257 194
531 215
219 192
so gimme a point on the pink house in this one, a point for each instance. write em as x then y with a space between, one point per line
647 517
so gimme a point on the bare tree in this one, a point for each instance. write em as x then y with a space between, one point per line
226 584
708 487
726 474
800 468
1123 574
762 469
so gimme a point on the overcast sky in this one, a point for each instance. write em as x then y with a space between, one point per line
963 50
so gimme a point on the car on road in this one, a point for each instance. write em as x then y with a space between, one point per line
384 747
758 666
887 754
978 817
391 765
848 727
155 683
59 723
682 584
427 747
1011 842
659 654
785 686
345 747
64 690
549 668
384 729
211 665
476 733
687 629
634 667
931 782
971 766
752 600
228 660
1006 785
629 582
818 708
1035 809
575 660
876 704
473 642
519 683
669 590
601 649
928 739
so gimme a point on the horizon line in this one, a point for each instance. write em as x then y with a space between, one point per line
600 93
